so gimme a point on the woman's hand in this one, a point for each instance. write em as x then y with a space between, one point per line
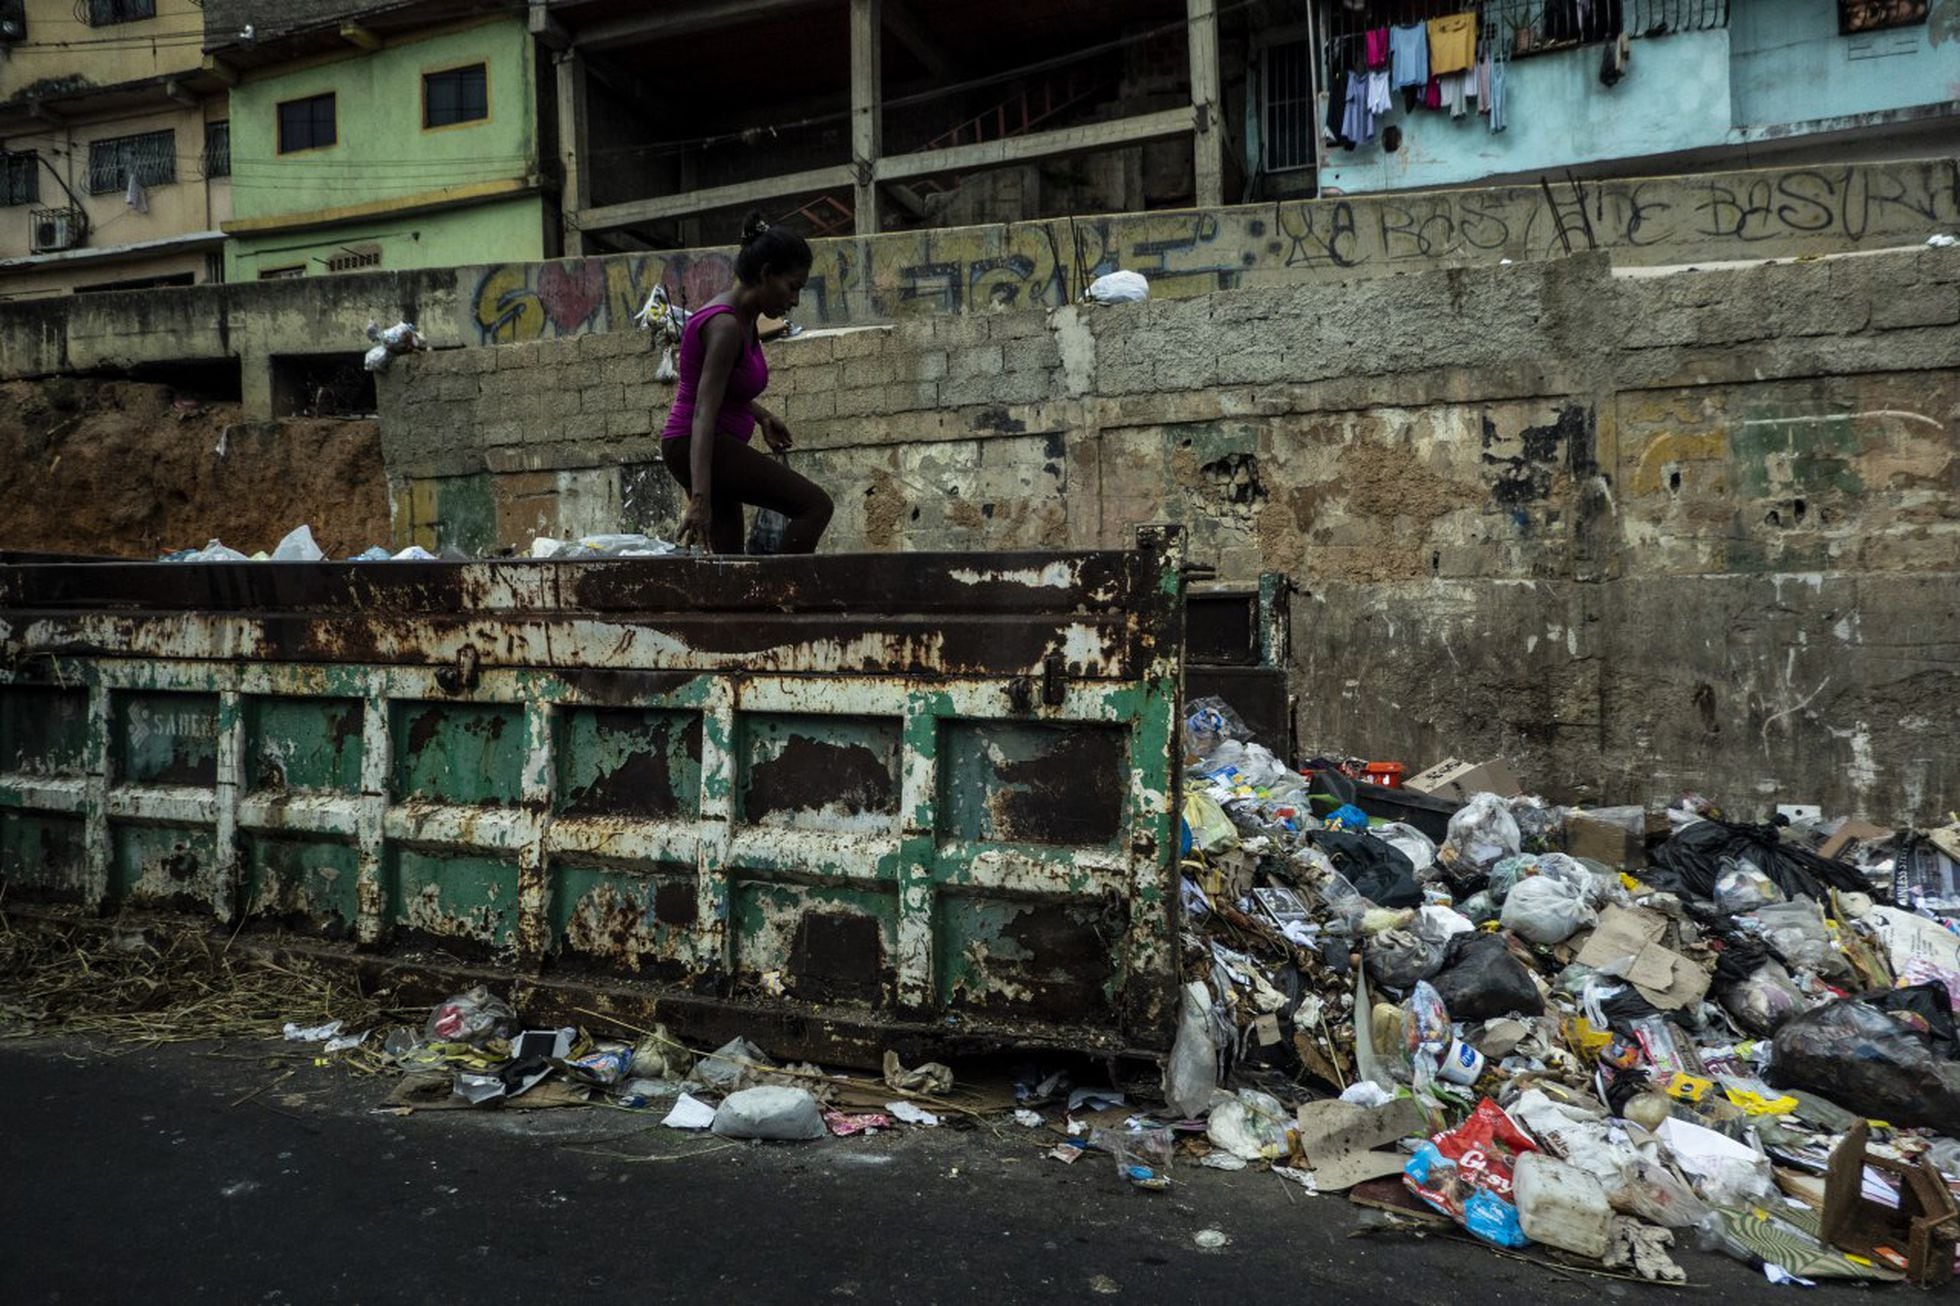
696 520
775 432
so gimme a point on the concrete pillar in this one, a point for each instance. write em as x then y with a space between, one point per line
572 149
867 110
1208 136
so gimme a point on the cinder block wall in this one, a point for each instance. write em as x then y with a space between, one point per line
1638 533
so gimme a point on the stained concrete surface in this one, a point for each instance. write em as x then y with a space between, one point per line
143 1176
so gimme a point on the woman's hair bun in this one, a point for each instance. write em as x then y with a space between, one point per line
754 227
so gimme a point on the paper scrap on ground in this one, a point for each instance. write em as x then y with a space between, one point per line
689 1112
312 1033
910 1114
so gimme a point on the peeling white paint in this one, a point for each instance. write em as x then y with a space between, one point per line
1055 575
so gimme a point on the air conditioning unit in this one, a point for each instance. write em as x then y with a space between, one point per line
57 229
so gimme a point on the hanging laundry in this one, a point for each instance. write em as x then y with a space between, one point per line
1337 108
1432 94
1455 87
1409 55
1357 124
1376 43
1613 63
1380 98
1483 83
1494 102
134 196
1452 43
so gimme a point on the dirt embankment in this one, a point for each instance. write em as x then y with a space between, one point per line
123 469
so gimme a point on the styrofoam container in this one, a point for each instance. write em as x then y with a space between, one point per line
1561 1206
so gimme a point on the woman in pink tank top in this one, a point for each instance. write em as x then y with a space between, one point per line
715 414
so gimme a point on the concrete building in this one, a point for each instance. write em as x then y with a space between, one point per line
117 161
384 136
857 117
1705 84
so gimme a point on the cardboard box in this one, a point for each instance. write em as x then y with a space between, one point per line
1604 841
1457 780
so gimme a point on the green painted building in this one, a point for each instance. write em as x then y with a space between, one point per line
398 150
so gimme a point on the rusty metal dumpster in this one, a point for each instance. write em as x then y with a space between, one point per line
844 803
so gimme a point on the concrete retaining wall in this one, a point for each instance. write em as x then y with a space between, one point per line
1771 213
1638 533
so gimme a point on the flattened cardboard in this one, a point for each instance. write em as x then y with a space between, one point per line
1852 831
1664 977
1603 841
1338 1139
1455 779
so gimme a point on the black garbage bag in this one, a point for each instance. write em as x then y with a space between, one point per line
1481 980
1379 871
1923 1007
1863 1059
1689 863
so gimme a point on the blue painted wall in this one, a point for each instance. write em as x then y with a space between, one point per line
1791 66
1779 63
1675 96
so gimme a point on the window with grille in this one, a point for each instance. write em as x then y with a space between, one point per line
151 157
103 13
307 124
352 258
281 274
217 149
20 178
458 95
1287 107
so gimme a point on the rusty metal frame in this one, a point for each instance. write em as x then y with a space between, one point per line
1090 639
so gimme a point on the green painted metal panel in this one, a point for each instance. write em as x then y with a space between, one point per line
43 731
609 917
166 739
818 943
1032 782
164 866
819 772
454 896
46 853
304 883
459 752
1027 956
621 761
303 744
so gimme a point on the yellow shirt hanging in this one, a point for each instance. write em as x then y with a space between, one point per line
1452 43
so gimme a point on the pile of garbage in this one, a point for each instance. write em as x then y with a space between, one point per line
1746 1037
473 1051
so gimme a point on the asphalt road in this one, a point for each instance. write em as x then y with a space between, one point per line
141 1176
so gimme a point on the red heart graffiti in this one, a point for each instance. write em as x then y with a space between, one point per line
571 292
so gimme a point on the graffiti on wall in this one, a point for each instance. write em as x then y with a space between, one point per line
1047 263
1785 212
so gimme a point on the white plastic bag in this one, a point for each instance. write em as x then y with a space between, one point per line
298 546
1547 909
1191 1074
1481 832
1119 288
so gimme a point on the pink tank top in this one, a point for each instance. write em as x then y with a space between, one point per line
747 379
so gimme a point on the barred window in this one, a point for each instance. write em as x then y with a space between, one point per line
150 156
20 178
1286 96
352 258
217 149
103 13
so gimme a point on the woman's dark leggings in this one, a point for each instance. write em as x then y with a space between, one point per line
744 474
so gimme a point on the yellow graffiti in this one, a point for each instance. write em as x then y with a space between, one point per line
1676 447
